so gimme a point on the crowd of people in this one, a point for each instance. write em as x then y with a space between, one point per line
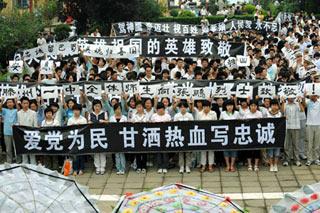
271 59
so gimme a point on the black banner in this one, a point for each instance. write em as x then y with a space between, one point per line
172 28
173 46
151 137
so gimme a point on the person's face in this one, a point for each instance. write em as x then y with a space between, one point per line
183 109
160 111
97 108
49 115
33 107
139 108
76 113
101 63
70 79
274 107
266 103
199 104
59 72
27 79
25 104
15 80
244 104
206 109
114 77
130 66
10 104
113 102
148 71
253 108
220 102
314 97
165 102
118 111
120 68
229 108
70 104
198 77
148 104
50 76
54 109
204 64
180 63
165 75
132 103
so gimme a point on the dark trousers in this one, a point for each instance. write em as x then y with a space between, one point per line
162 160
141 160
78 163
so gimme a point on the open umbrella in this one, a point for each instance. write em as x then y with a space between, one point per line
306 199
176 198
29 188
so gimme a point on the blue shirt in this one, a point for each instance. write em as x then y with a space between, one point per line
9 117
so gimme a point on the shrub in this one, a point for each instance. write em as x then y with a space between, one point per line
249 8
186 13
174 12
62 31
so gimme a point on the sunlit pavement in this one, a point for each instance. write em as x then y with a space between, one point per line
254 191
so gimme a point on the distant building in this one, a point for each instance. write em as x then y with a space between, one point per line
23 5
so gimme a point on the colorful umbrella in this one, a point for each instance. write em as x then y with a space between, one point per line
30 188
176 198
306 199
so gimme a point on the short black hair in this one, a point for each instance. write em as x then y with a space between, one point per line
95 102
48 109
183 104
24 98
77 107
160 106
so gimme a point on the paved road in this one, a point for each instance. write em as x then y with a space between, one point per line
254 191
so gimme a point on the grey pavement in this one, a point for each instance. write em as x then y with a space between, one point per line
241 183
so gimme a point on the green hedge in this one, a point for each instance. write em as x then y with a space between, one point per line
196 20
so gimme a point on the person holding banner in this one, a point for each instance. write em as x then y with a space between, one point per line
98 116
162 158
140 116
120 157
27 117
274 154
184 157
229 114
77 119
9 118
207 156
253 154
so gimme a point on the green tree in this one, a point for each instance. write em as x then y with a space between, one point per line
103 13
19 30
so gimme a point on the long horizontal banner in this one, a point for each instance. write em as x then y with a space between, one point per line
173 46
126 47
151 137
198 90
125 28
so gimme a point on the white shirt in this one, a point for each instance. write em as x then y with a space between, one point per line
139 117
145 79
45 123
227 116
313 113
149 114
114 120
277 115
180 117
175 70
76 121
251 115
243 113
160 118
292 113
27 118
205 117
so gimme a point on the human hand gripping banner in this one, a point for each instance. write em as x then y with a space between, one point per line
151 137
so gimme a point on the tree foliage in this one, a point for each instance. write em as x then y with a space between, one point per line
19 30
103 13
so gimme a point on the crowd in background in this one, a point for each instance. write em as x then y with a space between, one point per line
271 57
